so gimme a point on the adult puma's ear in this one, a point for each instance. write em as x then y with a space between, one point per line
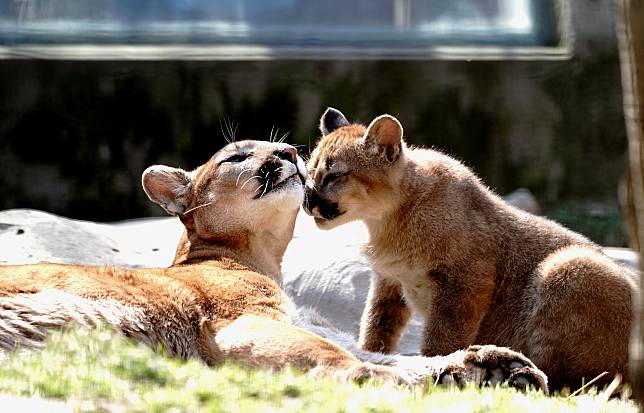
168 187
385 133
331 120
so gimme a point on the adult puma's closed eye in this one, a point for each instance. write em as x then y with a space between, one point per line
478 270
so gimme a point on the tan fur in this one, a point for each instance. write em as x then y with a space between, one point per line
477 269
221 299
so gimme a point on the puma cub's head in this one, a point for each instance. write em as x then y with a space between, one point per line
354 171
246 187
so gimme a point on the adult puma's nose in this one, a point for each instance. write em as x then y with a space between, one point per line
288 153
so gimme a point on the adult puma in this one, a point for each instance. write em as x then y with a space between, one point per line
222 298
477 269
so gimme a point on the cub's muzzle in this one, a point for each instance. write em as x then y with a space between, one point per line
319 207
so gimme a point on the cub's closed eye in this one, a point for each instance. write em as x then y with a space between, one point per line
240 157
333 177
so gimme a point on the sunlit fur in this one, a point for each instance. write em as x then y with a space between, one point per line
478 270
222 298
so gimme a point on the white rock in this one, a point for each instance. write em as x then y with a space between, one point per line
326 270
29 236
522 198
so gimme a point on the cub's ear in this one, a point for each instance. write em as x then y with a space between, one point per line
168 187
385 134
331 120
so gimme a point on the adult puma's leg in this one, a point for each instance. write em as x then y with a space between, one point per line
580 325
262 342
257 341
384 317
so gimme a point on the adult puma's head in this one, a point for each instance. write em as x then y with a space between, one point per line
249 192
354 171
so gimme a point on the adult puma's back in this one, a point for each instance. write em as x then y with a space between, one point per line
478 270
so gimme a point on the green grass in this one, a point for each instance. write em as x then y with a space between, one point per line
98 370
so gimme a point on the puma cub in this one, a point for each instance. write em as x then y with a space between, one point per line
477 269
222 298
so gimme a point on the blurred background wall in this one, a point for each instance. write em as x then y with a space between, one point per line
75 136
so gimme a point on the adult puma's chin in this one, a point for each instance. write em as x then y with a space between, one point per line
285 193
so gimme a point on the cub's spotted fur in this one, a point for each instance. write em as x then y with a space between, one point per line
477 269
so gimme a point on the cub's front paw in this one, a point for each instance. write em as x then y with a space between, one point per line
492 365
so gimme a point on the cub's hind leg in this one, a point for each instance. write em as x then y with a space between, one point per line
262 342
581 320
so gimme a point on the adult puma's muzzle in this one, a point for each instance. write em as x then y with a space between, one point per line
279 170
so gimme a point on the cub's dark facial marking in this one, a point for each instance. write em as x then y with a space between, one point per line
327 210
333 177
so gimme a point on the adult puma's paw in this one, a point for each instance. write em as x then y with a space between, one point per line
491 365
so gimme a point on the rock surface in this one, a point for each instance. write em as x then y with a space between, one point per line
522 198
29 236
322 269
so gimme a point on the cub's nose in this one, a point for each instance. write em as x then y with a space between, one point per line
288 153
